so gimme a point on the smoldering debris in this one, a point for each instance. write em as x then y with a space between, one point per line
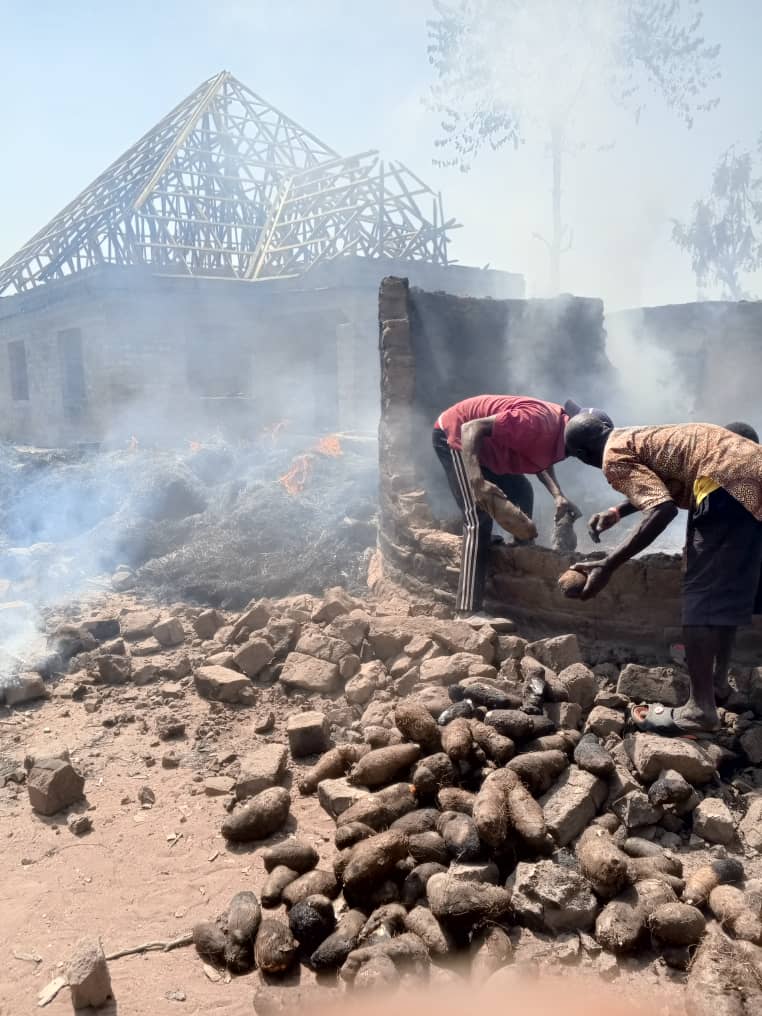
217 523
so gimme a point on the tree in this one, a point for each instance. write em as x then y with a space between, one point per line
724 237
506 67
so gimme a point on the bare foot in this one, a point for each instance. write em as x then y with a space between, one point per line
691 716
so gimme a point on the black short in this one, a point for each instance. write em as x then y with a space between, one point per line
723 561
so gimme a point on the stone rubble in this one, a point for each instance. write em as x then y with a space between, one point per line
481 826
88 975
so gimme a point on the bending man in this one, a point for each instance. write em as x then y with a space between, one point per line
493 441
717 476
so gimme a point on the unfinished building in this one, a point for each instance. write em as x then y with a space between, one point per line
220 273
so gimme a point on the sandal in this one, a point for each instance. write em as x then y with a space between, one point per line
660 719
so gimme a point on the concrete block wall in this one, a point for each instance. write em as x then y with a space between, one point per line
173 358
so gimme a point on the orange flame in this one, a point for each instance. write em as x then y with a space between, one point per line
295 480
195 446
132 444
329 445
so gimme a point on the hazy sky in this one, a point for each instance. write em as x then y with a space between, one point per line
82 80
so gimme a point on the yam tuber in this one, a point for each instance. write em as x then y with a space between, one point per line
457 740
482 694
424 924
416 723
333 764
495 746
276 882
491 814
384 765
461 837
244 917
275 948
296 854
314 883
210 942
571 583
379 810
562 740
433 772
526 817
347 835
602 862
639 868
422 820
373 859
677 924
622 922
451 899
428 846
407 950
700 883
539 770
311 921
732 910
414 886
260 818
331 953
456 799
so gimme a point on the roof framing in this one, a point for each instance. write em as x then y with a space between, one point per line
227 185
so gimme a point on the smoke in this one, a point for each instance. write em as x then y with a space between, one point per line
189 494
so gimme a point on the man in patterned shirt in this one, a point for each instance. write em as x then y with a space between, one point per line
717 476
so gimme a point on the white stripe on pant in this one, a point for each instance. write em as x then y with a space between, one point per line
468 565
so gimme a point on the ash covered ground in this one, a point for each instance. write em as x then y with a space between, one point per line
214 524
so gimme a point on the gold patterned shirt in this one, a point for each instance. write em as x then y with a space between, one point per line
651 465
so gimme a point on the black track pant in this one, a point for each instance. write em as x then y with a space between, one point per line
477 524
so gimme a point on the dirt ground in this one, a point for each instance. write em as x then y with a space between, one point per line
145 873
142 873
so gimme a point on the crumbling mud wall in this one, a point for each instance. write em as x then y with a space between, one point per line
434 350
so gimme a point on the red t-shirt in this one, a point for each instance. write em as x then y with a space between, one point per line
527 434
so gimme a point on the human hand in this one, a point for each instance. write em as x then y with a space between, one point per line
598 574
566 507
600 522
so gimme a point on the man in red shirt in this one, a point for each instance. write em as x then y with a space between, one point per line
493 441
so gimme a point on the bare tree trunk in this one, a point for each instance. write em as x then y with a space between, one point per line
557 146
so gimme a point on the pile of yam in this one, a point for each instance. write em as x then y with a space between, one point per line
439 821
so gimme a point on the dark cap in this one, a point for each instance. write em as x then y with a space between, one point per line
572 409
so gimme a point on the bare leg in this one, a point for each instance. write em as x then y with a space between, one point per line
726 639
702 646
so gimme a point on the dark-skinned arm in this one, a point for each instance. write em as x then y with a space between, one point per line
652 525
487 495
602 521
563 505
472 433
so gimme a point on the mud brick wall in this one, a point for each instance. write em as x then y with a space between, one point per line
435 349
551 349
